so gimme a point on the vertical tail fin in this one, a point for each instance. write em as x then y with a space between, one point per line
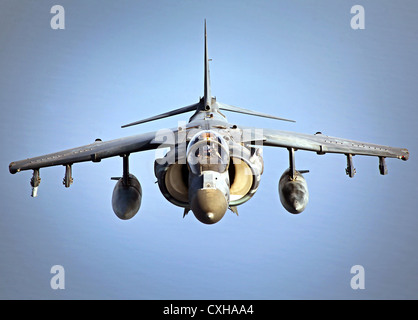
207 94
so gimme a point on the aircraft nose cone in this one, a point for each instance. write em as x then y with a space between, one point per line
210 215
209 205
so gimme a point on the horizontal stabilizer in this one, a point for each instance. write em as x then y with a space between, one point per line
226 107
192 107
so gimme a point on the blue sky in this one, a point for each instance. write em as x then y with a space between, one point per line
118 62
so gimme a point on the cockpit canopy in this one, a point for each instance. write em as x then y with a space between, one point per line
207 150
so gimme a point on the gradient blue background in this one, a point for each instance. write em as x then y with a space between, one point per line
121 61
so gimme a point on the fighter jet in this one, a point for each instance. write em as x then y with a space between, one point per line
212 165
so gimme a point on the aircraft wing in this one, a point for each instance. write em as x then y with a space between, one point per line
322 144
93 152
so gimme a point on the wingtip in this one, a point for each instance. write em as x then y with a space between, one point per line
11 169
405 156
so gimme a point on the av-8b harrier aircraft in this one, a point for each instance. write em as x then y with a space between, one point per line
212 165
